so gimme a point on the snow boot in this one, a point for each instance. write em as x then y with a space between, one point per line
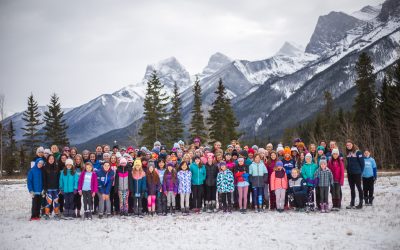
214 206
173 210
370 200
322 207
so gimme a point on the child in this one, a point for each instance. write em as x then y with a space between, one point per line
122 179
325 180
68 187
259 178
79 167
184 186
88 187
288 162
51 178
170 186
161 198
153 186
105 178
297 190
279 184
336 165
138 187
198 178
242 182
308 173
113 194
369 178
211 183
270 167
225 186
35 187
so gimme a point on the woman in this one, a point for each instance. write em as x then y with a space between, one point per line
355 167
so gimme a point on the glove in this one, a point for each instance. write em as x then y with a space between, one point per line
32 194
75 191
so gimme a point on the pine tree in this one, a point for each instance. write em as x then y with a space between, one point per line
329 121
155 112
32 122
365 101
222 120
55 127
11 148
175 124
197 127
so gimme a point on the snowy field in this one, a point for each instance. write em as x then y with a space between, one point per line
376 227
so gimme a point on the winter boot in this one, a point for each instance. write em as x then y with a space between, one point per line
229 208
78 213
322 207
214 206
173 210
359 206
370 200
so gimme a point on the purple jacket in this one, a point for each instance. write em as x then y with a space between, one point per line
169 184
93 183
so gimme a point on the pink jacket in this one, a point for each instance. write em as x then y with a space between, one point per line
337 169
93 184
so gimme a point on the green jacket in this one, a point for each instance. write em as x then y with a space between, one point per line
198 174
308 172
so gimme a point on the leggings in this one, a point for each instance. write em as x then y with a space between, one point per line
114 200
151 203
258 195
197 195
123 201
336 195
211 193
171 199
52 200
323 194
77 201
226 198
184 200
69 201
104 204
368 185
87 201
355 181
310 197
280 198
243 197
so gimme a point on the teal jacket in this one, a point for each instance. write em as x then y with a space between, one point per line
308 172
68 183
198 174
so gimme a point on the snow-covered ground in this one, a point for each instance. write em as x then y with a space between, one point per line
376 227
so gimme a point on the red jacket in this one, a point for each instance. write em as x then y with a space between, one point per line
270 168
337 169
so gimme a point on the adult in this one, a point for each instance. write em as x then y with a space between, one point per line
355 167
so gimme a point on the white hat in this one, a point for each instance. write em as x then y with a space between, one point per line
335 151
47 151
308 155
39 150
69 162
279 148
294 149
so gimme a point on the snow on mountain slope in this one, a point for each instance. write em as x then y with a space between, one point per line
368 12
215 63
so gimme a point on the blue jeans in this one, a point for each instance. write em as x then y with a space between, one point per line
258 195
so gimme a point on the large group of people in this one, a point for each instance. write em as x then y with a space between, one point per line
197 178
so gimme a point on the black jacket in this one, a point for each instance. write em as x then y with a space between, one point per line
211 174
51 176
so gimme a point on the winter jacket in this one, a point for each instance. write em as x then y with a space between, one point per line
297 186
198 174
169 183
138 184
231 165
240 175
93 183
288 165
152 187
68 183
184 182
337 169
369 168
122 177
258 174
35 178
161 175
211 174
308 173
96 165
279 180
51 177
225 182
105 180
355 163
270 168
324 177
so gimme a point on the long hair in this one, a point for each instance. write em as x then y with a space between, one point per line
66 169
353 149
173 174
152 177
81 165
47 166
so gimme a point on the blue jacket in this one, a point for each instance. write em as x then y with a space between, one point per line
355 163
96 165
369 168
105 180
138 186
198 174
68 183
35 178
288 166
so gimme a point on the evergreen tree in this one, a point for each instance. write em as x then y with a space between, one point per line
365 101
222 120
32 122
175 124
55 127
197 127
11 148
155 112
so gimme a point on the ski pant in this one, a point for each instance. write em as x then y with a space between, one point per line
242 191
336 195
36 204
161 203
114 200
151 203
197 195
368 186
226 199
96 202
123 201
323 194
280 198
184 200
272 200
61 202
299 200
104 204
171 199
78 201
52 200
211 193
258 195
355 181
87 200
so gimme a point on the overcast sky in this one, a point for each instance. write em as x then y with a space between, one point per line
82 49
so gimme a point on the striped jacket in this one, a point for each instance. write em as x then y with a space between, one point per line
324 177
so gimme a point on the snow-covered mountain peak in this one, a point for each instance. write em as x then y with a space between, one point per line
215 63
290 49
368 12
